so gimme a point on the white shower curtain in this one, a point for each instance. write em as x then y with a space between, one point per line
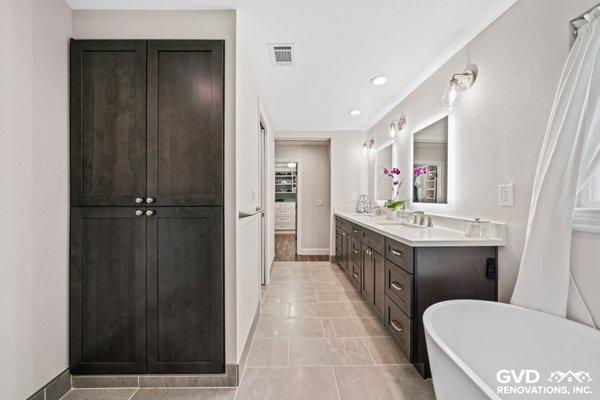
570 154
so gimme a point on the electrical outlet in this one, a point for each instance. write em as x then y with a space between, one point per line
253 195
320 202
505 196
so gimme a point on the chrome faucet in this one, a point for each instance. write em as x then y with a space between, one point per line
418 217
377 210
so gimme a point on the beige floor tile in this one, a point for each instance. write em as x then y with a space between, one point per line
292 295
280 383
385 351
268 353
284 277
314 269
99 394
275 310
382 383
289 327
328 352
360 310
353 327
185 394
306 310
345 285
332 277
338 296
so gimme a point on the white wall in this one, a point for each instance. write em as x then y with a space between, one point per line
313 185
496 137
34 194
121 24
348 168
248 114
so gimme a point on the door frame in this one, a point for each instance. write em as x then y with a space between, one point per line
264 157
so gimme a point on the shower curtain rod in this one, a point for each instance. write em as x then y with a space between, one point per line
578 22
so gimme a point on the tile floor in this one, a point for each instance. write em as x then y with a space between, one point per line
316 339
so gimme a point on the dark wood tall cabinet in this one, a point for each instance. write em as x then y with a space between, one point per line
147 262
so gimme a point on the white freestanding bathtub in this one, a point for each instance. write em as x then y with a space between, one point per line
486 350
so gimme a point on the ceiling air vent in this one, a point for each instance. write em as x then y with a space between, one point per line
282 54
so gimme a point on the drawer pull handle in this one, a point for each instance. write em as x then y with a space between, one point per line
396 286
396 325
354 230
355 274
355 251
396 252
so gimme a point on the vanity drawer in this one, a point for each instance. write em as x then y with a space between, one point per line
356 231
355 274
338 222
399 326
374 240
400 254
356 247
398 287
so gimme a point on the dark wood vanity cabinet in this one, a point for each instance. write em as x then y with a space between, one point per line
400 282
147 274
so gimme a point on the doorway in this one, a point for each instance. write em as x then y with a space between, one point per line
302 200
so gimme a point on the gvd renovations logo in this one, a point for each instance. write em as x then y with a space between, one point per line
530 382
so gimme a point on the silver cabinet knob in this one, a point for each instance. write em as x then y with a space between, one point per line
149 200
139 212
139 200
149 212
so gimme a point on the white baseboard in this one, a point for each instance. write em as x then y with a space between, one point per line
313 252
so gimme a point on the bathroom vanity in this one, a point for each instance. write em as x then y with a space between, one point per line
402 269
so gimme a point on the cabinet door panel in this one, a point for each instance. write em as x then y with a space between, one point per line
185 122
185 290
379 286
108 122
368 285
108 290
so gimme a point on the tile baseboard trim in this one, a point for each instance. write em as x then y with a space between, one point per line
248 344
55 389
227 379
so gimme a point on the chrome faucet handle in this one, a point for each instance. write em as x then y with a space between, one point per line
429 221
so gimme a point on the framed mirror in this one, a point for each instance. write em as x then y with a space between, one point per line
430 163
383 184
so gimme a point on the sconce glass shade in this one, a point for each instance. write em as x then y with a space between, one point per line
365 148
451 98
392 131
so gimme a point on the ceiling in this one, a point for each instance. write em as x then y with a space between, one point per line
339 46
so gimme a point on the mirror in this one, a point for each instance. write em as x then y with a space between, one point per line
430 163
384 186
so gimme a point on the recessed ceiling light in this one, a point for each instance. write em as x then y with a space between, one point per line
354 112
378 80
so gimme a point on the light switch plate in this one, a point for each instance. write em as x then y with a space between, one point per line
320 202
505 196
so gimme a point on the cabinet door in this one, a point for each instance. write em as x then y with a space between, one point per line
338 245
185 291
379 284
108 122
345 251
368 286
185 122
107 291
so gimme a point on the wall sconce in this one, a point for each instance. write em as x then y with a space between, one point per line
459 83
368 145
397 126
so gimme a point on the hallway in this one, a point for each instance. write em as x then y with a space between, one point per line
315 339
285 250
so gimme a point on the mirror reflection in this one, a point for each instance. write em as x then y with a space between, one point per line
430 163
384 184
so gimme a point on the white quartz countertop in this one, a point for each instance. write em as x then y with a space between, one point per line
417 236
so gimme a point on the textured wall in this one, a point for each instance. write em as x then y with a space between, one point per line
497 135
34 205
